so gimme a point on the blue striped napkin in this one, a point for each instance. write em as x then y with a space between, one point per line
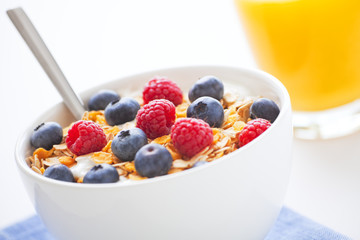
289 226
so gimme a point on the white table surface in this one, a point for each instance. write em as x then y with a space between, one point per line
98 41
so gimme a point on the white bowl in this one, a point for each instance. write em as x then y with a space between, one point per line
236 197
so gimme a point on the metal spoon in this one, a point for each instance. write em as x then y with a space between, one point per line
46 60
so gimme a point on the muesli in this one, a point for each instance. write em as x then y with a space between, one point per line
126 133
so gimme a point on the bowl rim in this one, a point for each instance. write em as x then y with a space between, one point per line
266 77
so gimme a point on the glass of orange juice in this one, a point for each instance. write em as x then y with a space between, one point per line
313 47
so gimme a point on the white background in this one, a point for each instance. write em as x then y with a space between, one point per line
98 41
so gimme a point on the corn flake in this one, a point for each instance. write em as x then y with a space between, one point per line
225 140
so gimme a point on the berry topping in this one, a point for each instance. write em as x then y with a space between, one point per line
46 135
101 173
264 108
162 88
252 130
122 111
101 99
153 160
208 109
207 86
85 137
191 135
127 142
156 118
59 172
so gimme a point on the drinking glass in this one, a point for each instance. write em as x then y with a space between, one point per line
313 47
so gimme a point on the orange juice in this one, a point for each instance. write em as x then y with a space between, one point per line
312 46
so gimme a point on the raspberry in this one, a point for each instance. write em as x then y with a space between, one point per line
85 137
190 136
162 88
156 118
252 130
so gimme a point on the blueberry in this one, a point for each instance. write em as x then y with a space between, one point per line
121 111
101 173
153 160
127 142
207 86
101 99
46 135
208 109
59 172
264 108
200 163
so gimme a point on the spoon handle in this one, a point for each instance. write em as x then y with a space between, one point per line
46 60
